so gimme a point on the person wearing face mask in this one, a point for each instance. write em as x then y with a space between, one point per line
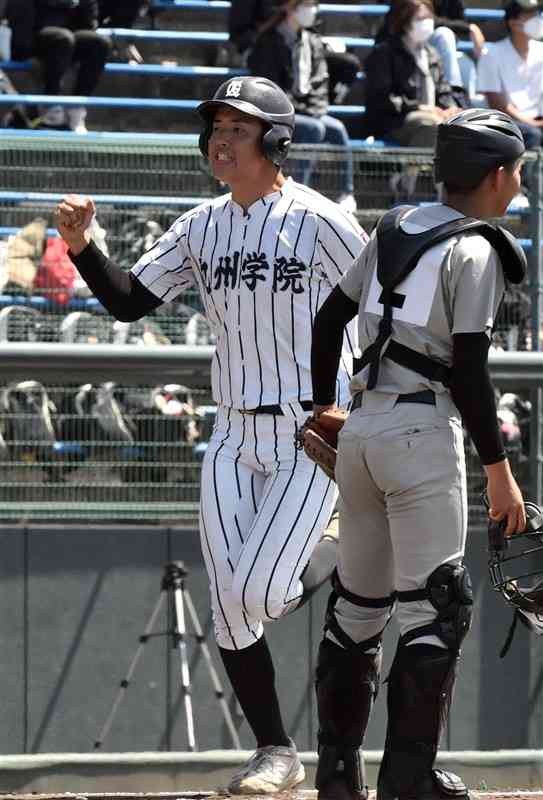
249 19
458 68
293 55
510 71
407 95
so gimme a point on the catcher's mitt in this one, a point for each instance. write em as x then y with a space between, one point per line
318 437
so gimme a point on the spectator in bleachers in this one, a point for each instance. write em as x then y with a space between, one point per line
292 54
61 34
449 21
249 19
510 71
407 95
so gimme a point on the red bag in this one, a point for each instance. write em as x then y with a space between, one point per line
56 273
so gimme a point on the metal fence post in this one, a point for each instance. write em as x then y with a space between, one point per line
536 291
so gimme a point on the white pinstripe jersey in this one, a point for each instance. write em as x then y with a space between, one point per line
262 276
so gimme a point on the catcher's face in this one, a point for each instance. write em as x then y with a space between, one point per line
234 149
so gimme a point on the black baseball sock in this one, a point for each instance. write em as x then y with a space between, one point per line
252 676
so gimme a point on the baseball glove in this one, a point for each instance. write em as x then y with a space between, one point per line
318 438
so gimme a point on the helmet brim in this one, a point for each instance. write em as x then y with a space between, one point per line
207 109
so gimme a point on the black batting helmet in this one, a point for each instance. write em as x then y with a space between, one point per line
515 565
472 143
260 98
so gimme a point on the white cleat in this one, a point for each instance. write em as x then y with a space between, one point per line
270 769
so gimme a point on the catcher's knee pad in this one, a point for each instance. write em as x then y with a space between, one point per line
420 687
347 682
338 590
449 591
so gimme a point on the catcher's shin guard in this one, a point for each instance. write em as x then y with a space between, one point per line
419 693
347 684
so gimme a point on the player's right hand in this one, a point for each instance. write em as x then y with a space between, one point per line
73 217
505 498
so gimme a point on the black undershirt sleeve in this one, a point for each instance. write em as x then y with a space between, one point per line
327 343
473 394
118 290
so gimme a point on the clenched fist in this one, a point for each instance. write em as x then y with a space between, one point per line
73 217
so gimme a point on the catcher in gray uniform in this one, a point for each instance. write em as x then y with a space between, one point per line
427 289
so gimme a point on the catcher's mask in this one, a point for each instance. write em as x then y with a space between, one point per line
513 572
260 98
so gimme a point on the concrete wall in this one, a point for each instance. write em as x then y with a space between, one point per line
74 601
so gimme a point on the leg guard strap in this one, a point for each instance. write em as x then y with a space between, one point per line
331 623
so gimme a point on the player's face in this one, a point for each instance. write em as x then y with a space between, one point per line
234 149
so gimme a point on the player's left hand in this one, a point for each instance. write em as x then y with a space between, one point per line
318 437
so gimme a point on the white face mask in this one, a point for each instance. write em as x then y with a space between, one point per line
421 30
305 15
533 27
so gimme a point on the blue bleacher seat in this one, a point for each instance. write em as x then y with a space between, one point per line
161 70
132 102
325 9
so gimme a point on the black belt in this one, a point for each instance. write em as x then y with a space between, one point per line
307 405
425 396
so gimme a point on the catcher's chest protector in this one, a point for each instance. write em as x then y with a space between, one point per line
398 254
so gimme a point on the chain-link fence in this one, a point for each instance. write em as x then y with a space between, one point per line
141 185
104 451
112 452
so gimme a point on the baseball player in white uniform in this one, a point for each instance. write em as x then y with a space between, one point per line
426 290
264 259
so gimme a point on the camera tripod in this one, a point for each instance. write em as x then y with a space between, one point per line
174 589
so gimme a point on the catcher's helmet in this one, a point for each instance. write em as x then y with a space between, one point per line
511 566
472 143
260 98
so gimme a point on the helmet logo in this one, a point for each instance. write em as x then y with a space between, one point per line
234 89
